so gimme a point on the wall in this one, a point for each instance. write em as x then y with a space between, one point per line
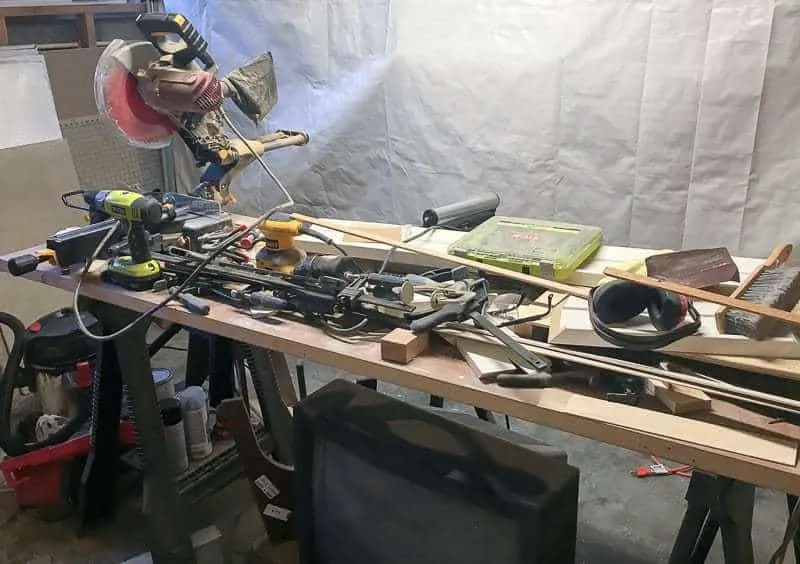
668 123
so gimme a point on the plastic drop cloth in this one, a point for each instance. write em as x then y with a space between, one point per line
668 123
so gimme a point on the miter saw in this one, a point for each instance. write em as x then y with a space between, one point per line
152 89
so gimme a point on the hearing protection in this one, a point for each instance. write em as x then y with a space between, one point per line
620 301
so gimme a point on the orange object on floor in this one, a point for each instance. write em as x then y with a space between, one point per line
658 468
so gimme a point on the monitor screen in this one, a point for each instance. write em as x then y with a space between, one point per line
381 481
424 526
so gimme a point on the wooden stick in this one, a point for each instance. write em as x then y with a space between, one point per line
706 296
638 370
779 255
531 280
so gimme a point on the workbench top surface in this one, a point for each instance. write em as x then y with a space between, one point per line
441 372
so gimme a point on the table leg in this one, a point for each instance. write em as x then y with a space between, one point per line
275 393
172 543
716 503
791 502
97 495
698 502
735 508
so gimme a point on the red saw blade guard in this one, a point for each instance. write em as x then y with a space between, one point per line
118 99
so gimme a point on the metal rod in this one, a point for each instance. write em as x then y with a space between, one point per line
639 370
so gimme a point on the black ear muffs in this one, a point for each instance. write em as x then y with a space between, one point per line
667 310
620 301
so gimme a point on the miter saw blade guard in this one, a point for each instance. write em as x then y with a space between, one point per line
254 87
118 98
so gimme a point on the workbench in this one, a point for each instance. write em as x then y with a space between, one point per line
440 372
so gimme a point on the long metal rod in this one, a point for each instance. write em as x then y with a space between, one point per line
638 370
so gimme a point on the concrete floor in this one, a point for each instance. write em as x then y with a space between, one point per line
622 519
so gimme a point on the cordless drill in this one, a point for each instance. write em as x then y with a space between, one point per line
138 270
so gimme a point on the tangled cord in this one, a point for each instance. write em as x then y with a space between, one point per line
230 240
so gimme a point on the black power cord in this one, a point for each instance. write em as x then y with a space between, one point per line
230 240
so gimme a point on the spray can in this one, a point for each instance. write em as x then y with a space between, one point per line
174 436
194 406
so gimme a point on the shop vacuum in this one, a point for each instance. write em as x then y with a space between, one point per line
47 448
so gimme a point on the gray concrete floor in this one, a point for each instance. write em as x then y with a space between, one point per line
622 519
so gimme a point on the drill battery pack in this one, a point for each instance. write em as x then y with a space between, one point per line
74 245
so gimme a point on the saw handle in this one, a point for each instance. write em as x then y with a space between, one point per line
160 30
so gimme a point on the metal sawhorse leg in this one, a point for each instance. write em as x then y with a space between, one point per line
716 503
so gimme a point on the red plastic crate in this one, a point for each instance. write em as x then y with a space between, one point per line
36 477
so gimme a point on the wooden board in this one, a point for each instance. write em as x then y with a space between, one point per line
438 240
403 346
71 73
679 399
571 326
779 367
662 424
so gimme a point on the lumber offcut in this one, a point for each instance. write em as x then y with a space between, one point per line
403 346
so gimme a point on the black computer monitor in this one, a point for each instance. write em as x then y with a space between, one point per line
379 481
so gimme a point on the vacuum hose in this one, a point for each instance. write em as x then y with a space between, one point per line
13 444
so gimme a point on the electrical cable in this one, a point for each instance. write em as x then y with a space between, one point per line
391 250
344 330
508 309
224 244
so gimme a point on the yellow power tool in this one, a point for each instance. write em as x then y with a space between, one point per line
138 270
279 252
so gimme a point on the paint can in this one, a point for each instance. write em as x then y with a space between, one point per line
194 405
174 436
165 387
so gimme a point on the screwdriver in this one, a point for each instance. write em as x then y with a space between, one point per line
192 303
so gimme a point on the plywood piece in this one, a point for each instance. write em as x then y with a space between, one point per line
27 113
484 359
787 368
33 178
666 425
71 73
403 346
571 326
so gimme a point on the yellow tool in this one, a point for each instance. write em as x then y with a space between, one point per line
279 252
137 271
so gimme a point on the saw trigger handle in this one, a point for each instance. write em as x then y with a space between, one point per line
173 34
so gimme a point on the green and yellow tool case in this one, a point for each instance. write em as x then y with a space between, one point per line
531 246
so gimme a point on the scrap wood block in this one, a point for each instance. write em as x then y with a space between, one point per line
403 346
680 400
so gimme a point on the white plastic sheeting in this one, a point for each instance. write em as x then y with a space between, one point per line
668 123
